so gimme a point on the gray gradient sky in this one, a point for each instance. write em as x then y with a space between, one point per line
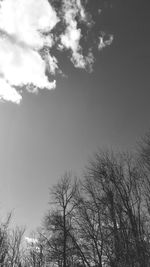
59 130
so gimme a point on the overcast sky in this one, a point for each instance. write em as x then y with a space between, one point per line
46 133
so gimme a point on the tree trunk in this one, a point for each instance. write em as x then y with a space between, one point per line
65 238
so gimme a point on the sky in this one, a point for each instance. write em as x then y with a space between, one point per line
75 80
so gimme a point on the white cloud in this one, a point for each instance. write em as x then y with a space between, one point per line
70 39
27 19
103 42
51 61
83 62
22 36
8 93
26 41
22 65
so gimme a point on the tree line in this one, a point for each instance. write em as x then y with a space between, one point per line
101 220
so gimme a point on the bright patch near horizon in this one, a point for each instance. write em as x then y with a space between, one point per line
26 39
30 240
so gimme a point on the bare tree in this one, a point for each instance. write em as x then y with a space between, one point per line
144 151
59 222
118 180
4 246
101 221
88 234
15 246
